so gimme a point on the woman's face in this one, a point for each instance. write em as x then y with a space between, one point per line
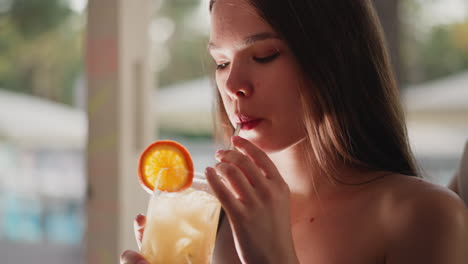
257 76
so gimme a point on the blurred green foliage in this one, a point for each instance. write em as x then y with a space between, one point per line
445 51
428 53
41 48
190 60
33 17
189 56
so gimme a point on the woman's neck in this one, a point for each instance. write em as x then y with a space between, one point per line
306 181
304 184
293 166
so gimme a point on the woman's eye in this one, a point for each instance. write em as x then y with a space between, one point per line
221 66
266 59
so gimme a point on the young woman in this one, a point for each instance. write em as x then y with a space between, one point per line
322 171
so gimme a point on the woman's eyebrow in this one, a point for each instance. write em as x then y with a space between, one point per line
249 40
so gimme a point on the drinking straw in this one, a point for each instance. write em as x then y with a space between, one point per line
236 132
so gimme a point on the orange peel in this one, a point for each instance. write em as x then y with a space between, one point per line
165 165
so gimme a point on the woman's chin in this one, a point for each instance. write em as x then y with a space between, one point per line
272 145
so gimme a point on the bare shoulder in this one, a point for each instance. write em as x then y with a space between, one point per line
424 222
405 191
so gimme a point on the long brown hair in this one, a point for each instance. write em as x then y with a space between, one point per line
352 112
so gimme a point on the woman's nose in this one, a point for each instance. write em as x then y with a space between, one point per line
238 84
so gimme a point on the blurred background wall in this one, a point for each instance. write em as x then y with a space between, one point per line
44 106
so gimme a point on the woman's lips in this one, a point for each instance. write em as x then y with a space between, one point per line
250 124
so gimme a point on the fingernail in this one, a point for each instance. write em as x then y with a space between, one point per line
124 253
235 138
209 170
140 219
219 154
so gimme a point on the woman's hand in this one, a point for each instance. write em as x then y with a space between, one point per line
132 257
256 200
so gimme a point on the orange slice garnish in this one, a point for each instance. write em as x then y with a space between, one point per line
165 165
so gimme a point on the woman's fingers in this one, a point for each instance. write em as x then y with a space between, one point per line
250 171
237 180
131 257
139 227
225 196
259 157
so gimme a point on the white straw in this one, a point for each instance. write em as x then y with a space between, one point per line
236 132
156 192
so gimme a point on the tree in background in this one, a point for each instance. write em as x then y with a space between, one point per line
445 51
40 48
32 18
186 47
430 51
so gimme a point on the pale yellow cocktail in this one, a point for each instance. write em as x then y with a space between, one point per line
182 215
181 227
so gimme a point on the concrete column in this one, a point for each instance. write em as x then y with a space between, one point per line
388 11
119 81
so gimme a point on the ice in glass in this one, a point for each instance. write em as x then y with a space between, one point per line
181 226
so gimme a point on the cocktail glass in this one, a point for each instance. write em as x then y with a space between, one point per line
181 226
